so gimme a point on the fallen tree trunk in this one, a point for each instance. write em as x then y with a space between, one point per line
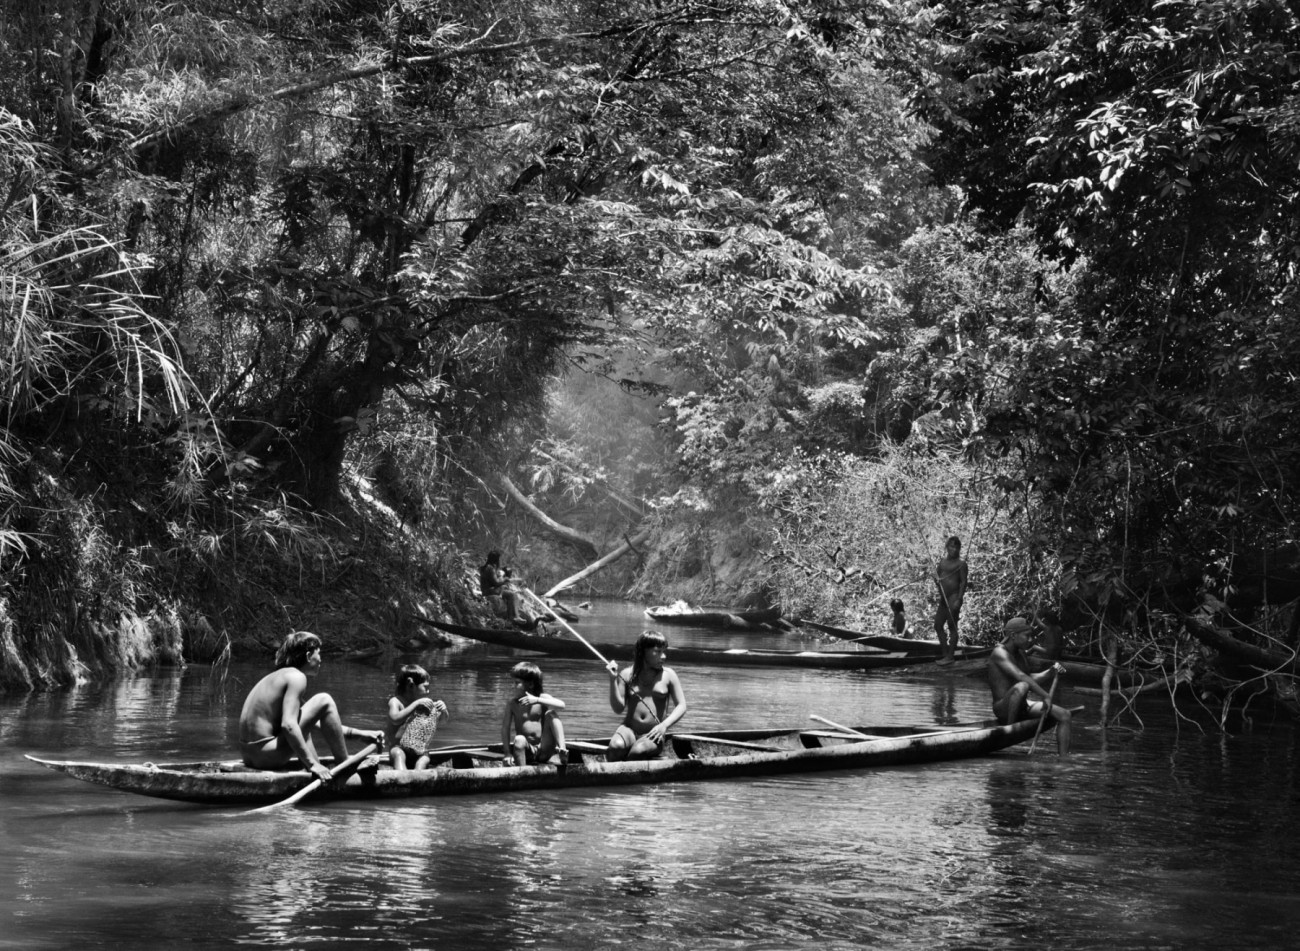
629 544
613 494
1260 657
570 535
1171 680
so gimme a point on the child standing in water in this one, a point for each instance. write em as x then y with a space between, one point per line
412 719
641 693
531 731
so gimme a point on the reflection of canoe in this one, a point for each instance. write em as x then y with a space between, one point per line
888 642
719 755
565 646
769 617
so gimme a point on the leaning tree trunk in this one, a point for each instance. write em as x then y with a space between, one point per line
563 532
629 544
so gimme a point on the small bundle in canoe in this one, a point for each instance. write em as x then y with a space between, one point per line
474 770
890 642
681 613
561 646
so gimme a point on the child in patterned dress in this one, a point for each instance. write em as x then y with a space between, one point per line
412 719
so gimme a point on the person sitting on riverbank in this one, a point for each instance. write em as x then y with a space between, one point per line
412 719
276 721
1017 694
641 693
531 731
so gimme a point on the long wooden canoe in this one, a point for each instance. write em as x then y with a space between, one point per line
469 770
889 642
565 646
715 618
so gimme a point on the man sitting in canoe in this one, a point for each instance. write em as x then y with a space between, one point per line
1012 686
276 721
641 693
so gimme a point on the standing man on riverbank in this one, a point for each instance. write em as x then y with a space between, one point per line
275 724
1018 694
950 575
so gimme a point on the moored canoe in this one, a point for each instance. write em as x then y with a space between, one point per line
715 618
565 646
889 642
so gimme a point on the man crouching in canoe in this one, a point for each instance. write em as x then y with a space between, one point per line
1012 687
276 721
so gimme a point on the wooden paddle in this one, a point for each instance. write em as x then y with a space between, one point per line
842 729
1046 710
315 784
565 624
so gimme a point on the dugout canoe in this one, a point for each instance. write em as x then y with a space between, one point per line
716 618
889 642
480 770
562 645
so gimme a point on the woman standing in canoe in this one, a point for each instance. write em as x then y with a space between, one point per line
641 693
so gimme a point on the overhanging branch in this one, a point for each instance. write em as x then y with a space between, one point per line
241 102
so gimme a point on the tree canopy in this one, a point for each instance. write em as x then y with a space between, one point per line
253 252
1152 146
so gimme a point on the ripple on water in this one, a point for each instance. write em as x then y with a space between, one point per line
1162 839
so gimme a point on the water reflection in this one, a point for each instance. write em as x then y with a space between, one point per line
943 708
1162 838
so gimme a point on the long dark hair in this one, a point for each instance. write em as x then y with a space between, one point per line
647 640
295 648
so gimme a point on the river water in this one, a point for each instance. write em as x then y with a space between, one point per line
1158 834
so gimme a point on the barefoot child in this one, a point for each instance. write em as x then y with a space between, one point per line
531 731
641 693
412 719
952 577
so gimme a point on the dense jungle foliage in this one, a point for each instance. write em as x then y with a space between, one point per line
307 303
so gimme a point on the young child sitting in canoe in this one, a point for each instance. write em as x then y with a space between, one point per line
412 719
531 731
641 693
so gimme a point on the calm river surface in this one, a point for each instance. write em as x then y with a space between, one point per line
1166 837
